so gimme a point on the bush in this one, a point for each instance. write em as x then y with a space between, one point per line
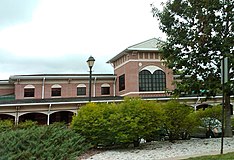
42 142
135 119
117 124
6 125
27 124
209 116
214 112
179 120
92 122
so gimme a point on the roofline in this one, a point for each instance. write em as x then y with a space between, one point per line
103 100
131 48
95 76
48 103
141 49
4 82
144 42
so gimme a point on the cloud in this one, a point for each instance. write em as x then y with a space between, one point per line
58 36
16 11
67 64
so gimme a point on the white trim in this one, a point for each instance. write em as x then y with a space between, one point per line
151 68
81 85
105 85
114 87
82 102
62 77
153 92
94 86
56 86
43 88
29 86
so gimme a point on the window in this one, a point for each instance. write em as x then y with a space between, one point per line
122 82
56 90
105 89
81 90
152 82
29 91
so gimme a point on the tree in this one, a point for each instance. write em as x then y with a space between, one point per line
199 34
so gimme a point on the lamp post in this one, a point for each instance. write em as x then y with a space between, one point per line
90 63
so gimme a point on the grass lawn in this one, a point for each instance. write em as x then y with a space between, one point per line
218 157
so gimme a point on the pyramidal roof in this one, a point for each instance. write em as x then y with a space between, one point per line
151 44
148 45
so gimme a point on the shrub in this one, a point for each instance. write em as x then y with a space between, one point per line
179 120
6 125
135 119
211 112
117 124
209 116
26 124
92 122
42 142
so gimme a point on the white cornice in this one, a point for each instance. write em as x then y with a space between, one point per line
153 92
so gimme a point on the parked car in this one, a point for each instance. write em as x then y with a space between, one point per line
202 106
210 128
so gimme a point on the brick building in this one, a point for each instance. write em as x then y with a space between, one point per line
138 71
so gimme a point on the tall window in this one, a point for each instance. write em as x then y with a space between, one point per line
56 90
81 90
122 82
152 82
105 89
29 91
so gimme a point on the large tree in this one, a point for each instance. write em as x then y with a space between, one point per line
199 34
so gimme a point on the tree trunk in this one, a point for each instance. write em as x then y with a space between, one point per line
227 122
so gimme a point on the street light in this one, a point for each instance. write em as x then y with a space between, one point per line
90 63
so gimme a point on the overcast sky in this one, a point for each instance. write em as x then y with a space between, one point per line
58 36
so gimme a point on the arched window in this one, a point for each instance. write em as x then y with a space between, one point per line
159 80
152 82
56 90
105 89
29 91
81 90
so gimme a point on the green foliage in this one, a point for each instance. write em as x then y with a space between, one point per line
226 156
210 117
42 142
198 33
212 112
135 119
92 122
6 125
27 124
117 124
180 120
232 121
